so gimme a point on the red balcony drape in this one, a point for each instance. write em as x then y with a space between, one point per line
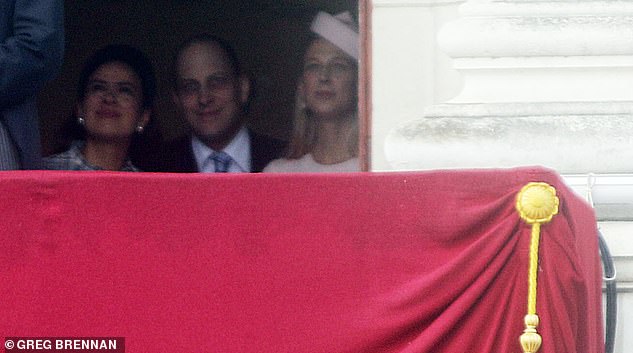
406 262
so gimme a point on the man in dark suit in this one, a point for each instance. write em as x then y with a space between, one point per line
31 53
212 94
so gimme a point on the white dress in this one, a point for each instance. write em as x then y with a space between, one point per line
307 164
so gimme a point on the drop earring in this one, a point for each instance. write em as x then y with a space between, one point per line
139 129
81 120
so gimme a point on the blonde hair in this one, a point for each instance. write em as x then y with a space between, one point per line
305 133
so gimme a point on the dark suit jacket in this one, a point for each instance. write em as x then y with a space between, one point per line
31 52
177 157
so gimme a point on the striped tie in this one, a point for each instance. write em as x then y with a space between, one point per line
221 162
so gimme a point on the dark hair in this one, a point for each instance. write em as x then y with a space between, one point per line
128 55
206 38
72 130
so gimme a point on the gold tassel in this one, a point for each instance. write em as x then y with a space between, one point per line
536 203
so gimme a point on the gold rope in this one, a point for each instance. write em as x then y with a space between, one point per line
537 204
534 242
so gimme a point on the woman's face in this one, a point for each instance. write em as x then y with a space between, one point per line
113 103
329 79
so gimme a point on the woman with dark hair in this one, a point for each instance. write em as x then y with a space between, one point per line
115 97
325 131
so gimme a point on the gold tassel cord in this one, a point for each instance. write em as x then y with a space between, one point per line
533 271
536 203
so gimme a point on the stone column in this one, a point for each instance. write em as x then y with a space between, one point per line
545 82
409 71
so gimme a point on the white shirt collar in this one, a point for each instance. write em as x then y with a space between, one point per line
239 149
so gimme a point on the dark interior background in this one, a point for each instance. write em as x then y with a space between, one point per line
268 35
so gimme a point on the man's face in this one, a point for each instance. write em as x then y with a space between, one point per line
209 93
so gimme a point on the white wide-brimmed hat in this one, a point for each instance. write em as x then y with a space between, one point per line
340 30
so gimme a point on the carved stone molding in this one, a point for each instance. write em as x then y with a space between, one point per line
544 83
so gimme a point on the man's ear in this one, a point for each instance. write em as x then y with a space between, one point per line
300 96
245 89
174 97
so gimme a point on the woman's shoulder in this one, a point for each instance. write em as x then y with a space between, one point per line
67 160
277 166
307 164
286 165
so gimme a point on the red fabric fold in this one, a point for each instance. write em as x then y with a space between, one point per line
402 262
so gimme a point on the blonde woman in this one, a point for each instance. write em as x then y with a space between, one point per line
325 131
